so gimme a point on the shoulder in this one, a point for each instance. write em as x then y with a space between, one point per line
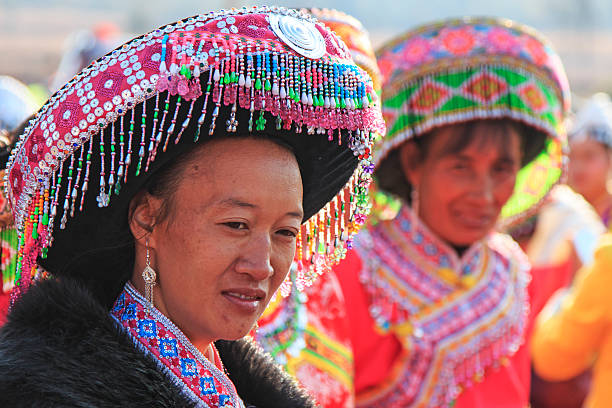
603 252
508 250
60 346
599 272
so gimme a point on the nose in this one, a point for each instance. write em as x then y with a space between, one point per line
483 191
255 258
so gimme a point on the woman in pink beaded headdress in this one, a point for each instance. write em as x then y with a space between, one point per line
166 190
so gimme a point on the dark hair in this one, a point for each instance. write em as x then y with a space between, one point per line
390 176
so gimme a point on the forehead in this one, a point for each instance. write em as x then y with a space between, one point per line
258 167
481 138
585 144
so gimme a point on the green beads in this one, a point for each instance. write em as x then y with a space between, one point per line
185 71
260 123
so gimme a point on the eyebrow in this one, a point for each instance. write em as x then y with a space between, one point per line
504 158
235 202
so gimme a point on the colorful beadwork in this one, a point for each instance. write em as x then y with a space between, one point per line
8 245
251 65
478 68
160 339
456 318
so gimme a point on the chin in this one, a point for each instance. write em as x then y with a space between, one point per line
237 333
469 237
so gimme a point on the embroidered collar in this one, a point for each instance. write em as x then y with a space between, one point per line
159 338
455 316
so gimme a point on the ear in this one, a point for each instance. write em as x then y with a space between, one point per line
143 213
410 161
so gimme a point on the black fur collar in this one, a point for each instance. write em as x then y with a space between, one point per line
60 348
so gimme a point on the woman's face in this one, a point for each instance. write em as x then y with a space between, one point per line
461 194
589 166
229 238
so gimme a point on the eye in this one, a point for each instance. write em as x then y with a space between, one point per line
504 168
237 225
287 233
459 166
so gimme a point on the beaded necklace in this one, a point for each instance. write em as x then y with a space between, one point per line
455 317
159 338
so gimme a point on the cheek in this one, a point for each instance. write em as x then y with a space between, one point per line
504 190
440 190
600 166
281 259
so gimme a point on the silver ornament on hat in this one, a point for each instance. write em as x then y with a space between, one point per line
301 35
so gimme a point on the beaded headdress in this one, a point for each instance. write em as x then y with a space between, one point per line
594 121
356 38
268 70
478 68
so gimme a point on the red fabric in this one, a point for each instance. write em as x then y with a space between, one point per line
375 354
327 315
4 305
546 280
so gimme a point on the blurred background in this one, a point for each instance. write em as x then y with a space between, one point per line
35 34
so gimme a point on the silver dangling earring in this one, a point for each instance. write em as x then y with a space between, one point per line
149 276
414 203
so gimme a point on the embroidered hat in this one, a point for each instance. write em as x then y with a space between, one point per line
479 68
268 71
594 121
351 31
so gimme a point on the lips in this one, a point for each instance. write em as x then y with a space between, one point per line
475 220
246 300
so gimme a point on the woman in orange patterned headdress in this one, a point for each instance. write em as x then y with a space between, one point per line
436 298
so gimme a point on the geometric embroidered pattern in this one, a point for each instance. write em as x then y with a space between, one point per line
200 380
456 318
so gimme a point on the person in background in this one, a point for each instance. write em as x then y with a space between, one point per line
590 140
437 300
82 47
307 332
573 332
166 190
558 240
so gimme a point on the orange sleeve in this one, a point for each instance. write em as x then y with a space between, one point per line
571 328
